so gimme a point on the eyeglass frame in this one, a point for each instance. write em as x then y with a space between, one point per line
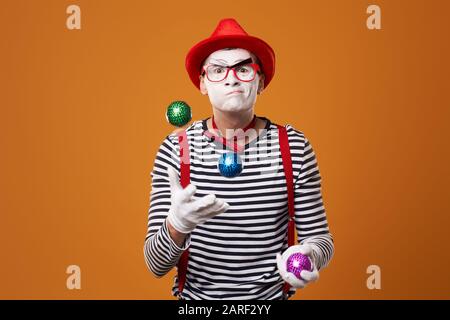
255 67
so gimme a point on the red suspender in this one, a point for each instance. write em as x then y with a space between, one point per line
287 165
185 180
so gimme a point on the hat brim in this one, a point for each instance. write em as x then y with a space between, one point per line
198 53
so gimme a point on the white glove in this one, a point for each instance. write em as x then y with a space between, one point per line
185 213
289 277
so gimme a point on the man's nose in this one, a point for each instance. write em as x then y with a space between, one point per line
231 79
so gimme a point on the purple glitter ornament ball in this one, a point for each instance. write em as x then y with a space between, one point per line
298 262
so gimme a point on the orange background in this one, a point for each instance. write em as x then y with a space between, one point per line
82 116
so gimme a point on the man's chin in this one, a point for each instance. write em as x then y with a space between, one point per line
233 110
234 106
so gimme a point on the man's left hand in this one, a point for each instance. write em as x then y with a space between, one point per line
289 277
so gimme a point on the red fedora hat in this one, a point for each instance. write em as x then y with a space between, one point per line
229 34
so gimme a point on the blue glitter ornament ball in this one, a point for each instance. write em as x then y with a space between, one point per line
230 164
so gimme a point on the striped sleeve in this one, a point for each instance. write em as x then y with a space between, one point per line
160 251
310 216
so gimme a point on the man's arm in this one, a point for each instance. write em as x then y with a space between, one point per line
176 236
310 216
174 213
163 245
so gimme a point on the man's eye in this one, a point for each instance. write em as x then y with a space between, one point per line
243 70
218 70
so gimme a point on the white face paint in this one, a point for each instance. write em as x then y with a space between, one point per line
231 94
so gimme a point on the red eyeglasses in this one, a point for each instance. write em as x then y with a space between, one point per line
244 71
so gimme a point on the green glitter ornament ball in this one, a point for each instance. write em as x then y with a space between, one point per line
178 113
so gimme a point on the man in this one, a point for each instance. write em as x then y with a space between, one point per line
235 227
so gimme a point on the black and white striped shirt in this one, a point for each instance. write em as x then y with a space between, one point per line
232 256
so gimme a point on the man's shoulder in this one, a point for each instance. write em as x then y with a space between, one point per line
192 129
293 132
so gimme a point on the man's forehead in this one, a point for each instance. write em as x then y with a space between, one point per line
229 56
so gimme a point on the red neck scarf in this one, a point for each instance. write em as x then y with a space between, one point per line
233 144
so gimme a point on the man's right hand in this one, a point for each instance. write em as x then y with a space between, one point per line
185 213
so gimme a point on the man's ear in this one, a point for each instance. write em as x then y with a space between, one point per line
261 83
203 89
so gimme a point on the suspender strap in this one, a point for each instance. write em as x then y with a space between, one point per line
185 180
287 165
185 177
